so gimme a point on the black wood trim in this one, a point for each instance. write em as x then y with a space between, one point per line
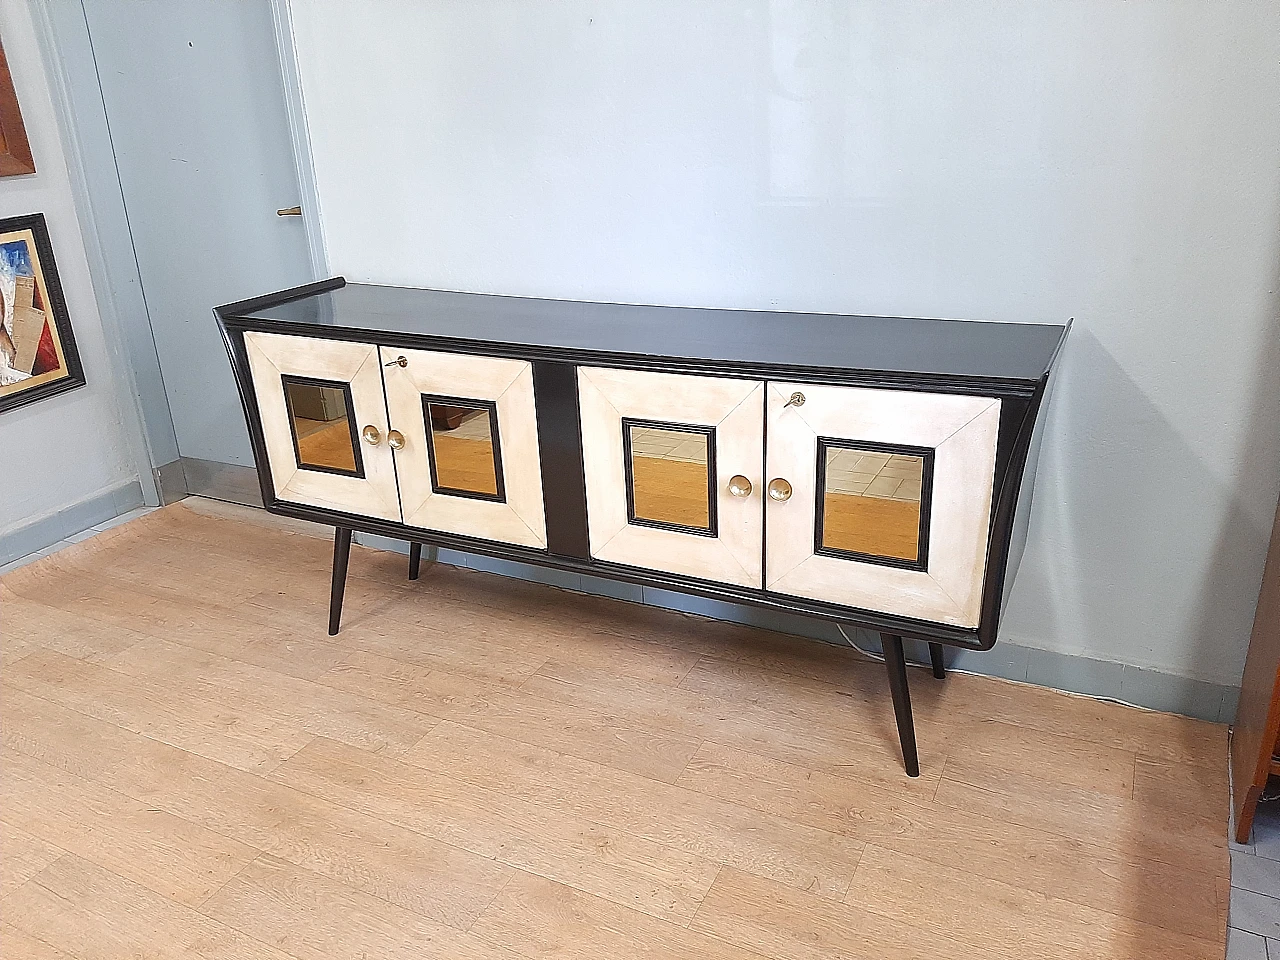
564 488
239 307
921 563
712 528
286 379
234 341
836 376
489 406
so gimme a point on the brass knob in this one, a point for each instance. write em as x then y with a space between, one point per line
779 490
739 486
797 400
395 439
400 361
371 435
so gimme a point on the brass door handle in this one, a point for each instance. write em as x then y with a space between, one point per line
395 439
779 490
400 361
289 212
739 486
371 435
797 400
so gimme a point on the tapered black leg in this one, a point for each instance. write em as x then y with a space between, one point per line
935 657
341 554
415 560
896 662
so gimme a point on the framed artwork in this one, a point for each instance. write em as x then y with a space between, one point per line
15 151
38 355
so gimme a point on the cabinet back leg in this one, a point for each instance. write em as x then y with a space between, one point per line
896 663
935 657
415 560
341 554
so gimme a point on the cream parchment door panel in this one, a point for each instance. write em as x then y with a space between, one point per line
659 452
470 462
317 398
890 498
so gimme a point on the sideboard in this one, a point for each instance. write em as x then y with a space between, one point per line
875 471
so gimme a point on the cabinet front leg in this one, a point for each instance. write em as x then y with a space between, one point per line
415 560
896 663
341 554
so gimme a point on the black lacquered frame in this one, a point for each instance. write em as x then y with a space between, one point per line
560 441
491 408
926 502
712 527
287 379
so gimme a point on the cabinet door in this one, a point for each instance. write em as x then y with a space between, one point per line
661 453
469 463
889 498
325 423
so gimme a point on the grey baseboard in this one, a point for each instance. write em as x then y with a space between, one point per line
221 481
44 531
1010 660
171 482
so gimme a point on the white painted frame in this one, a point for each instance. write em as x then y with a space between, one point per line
962 432
356 364
736 409
509 383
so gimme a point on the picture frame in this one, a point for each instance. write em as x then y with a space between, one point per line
38 354
15 150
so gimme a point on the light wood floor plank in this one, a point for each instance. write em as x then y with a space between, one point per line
483 767
22 854
649 876
193 718
1106 877
540 918
314 918
171 856
17 944
434 879
783 922
820 741
991 915
314 708
700 825
94 914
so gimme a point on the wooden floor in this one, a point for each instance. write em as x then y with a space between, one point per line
483 768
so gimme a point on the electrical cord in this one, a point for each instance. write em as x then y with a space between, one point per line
879 658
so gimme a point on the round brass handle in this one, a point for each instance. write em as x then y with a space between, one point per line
779 490
400 361
395 439
739 486
371 435
797 400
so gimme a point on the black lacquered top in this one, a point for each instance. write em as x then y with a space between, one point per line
952 349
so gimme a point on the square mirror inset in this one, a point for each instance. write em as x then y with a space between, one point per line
670 471
873 503
324 431
465 456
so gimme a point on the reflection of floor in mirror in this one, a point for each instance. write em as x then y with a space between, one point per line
326 443
465 463
670 491
872 525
